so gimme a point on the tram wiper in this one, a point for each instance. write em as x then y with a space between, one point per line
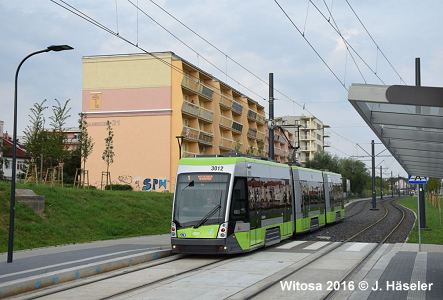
208 215
190 184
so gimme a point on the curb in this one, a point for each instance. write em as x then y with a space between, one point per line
33 283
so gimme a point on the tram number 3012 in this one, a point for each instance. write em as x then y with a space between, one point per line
217 168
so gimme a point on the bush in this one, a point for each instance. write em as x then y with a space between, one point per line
118 187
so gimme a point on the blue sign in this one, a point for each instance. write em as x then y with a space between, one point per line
418 179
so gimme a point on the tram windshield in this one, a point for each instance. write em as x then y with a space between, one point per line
200 197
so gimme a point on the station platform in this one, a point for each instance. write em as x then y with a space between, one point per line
403 272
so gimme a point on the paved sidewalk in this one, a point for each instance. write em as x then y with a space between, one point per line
44 260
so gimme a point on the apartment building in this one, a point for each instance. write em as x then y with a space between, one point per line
155 103
312 135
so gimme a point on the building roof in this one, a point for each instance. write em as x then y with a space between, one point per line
7 143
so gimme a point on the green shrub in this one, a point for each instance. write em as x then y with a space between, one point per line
118 187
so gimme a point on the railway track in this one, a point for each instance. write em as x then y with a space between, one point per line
387 206
332 293
96 279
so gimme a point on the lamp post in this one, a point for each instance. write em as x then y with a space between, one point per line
180 142
14 149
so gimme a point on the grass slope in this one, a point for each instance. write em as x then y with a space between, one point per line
75 215
435 234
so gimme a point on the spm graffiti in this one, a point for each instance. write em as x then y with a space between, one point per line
152 184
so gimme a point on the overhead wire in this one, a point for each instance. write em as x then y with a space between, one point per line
347 42
193 50
91 20
235 61
224 53
373 40
312 46
343 39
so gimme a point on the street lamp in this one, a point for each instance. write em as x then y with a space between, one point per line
14 149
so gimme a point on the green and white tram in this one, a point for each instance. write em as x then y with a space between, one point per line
238 204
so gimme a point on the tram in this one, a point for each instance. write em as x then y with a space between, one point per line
226 205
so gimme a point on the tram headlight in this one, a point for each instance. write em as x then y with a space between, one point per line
173 230
222 231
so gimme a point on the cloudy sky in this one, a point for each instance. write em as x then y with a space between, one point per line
255 34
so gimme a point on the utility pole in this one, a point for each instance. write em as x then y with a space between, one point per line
421 190
374 204
398 184
271 116
325 136
381 182
392 186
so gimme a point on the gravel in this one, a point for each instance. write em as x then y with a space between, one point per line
358 216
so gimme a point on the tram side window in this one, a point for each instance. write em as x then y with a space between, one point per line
239 201
268 193
305 191
338 195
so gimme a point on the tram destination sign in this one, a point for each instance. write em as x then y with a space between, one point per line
418 180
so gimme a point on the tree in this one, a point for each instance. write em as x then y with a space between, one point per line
85 141
34 132
324 161
434 185
56 139
351 169
357 173
108 153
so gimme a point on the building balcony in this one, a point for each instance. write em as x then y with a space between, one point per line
188 154
226 102
205 114
206 92
190 109
191 83
194 85
225 123
205 138
196 111
237 108
260 119
252 115
279 138
237 127
261 136
190 134
304 149
227 144
252 133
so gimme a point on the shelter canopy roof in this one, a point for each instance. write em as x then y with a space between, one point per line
409 122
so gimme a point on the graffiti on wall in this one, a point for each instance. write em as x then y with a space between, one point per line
154 184
126 179
144 184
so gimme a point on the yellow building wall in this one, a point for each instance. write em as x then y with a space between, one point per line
176 118
134 93
141 147
123 71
